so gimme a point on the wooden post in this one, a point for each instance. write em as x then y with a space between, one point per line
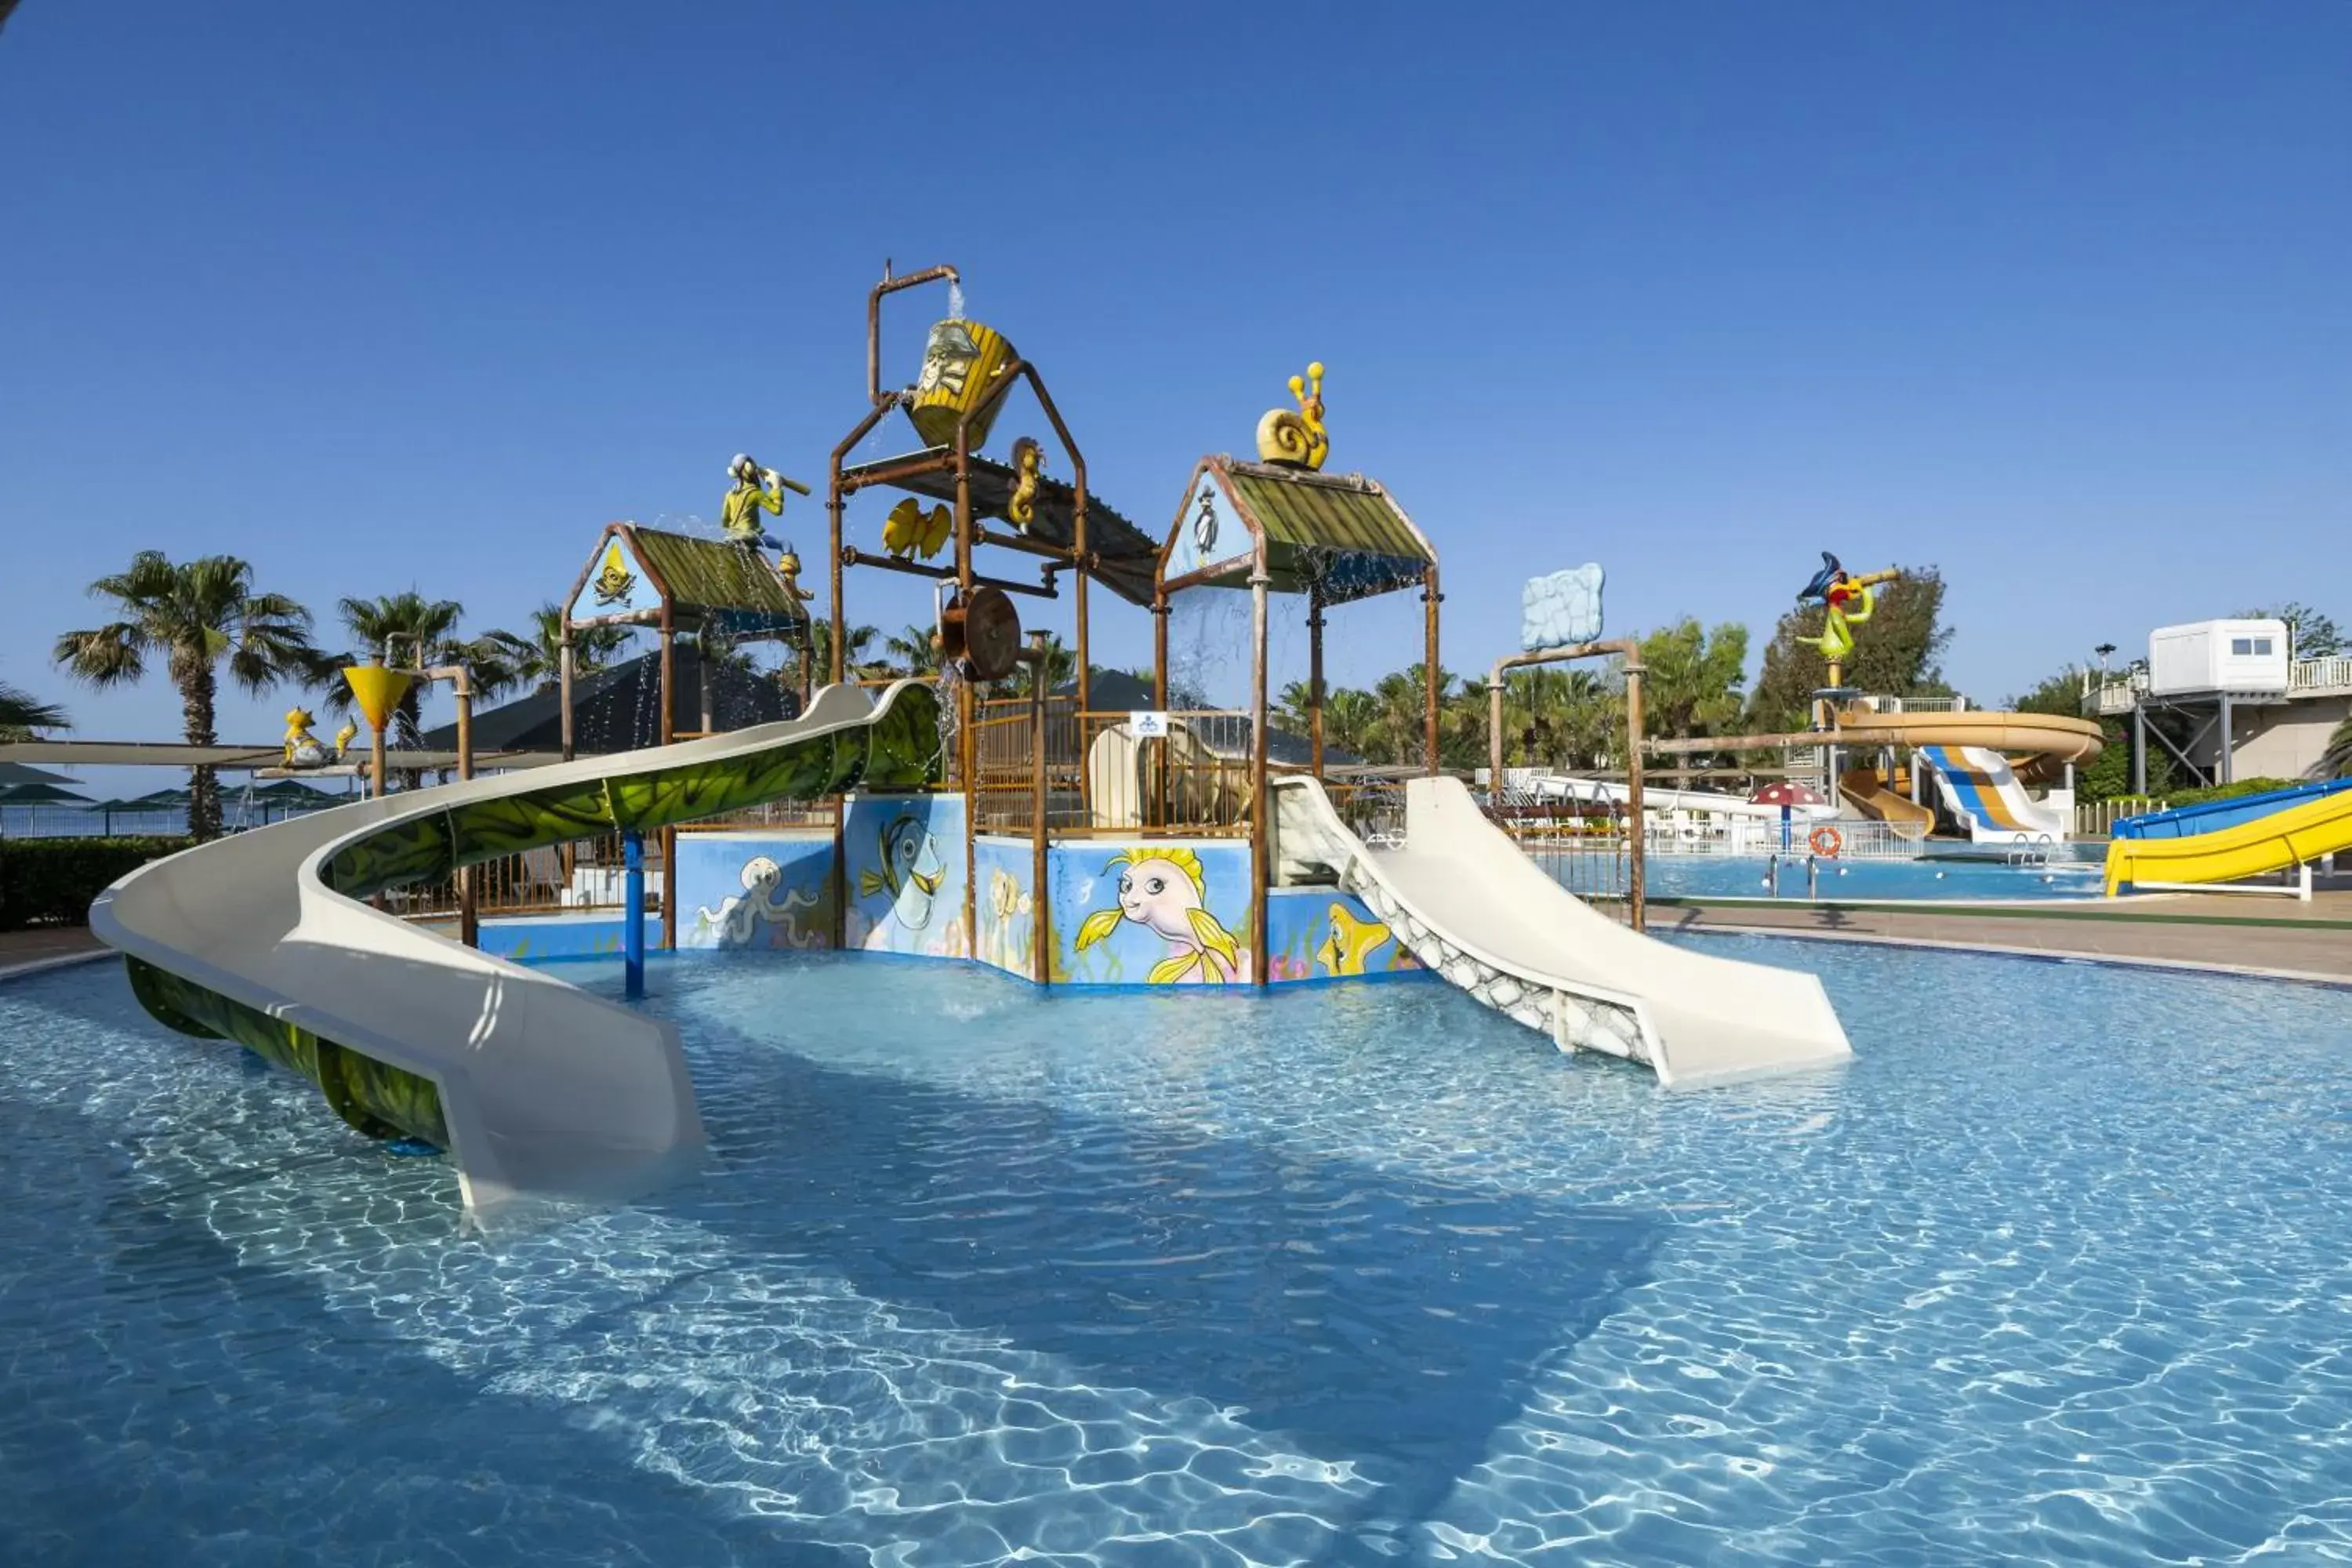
564 662
1041 933
1429 597
669 734
1637 826
967 738
704 672
1155 805
1494 737
1315 678
469 913
1260 871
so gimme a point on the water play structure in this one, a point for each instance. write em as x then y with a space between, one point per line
962 818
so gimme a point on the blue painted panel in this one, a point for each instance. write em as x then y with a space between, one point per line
754 889
1008 904
1321 933
2187 821
538 938
1155 913
904 875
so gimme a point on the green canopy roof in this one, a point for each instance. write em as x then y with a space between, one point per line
1341 534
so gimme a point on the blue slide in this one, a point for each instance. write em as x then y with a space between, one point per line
2189 821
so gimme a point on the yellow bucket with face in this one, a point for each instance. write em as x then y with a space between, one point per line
963 360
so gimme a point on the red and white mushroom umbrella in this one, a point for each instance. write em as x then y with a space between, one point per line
1787 795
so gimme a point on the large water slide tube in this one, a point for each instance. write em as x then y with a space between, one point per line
2280 839
537 1091
1461 897
2188 821
1970 753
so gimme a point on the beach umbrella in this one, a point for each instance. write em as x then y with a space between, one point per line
1787 795
160 800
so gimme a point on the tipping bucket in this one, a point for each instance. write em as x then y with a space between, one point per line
960 363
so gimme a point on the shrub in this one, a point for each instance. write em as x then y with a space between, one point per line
53 880
2209 793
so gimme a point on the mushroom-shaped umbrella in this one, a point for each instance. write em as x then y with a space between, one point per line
1786 793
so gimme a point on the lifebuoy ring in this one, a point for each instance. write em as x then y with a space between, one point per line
1826 841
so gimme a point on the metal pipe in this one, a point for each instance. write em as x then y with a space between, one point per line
1040 925
1315 679
1637 839
1259 870
461 685
890 285
1430 673
633 919
836 498
967 737
857 557
668 736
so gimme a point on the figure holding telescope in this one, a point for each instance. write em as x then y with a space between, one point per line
755 490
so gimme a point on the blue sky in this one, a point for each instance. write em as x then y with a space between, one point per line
2052 298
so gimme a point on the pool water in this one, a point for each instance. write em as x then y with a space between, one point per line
1724 876
2059 1269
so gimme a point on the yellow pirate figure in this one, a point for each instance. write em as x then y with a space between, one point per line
756 489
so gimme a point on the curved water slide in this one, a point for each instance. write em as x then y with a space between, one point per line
2281 839
1868 793
537 1091
1461 897
2050 735
1970 755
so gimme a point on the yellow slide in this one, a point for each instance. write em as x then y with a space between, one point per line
1872 799
2278 842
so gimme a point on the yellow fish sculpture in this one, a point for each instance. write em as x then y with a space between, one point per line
907 532
1162 891
1351 943
1028 464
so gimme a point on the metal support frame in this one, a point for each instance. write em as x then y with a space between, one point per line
1637 824
632 914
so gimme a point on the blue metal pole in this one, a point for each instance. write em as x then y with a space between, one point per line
633 926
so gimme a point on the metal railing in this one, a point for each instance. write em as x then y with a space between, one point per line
2319 675
2097 818
1103 780
557 879
1954 704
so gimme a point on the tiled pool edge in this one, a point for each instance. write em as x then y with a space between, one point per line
2032 954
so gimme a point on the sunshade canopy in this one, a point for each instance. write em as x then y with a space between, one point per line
1342 536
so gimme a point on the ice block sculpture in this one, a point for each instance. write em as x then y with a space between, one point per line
1561 609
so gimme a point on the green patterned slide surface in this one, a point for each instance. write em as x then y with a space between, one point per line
537 1091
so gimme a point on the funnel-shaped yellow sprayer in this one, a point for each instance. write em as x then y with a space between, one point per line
378 690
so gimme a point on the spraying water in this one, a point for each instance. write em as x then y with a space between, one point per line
955 300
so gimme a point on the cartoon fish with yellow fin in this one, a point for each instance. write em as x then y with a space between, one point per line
911 872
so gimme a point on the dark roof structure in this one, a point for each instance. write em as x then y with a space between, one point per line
619 709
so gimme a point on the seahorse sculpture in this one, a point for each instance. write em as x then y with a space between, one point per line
1297 439
1028 463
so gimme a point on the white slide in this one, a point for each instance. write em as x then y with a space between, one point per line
1464 900
544 1091
1984 792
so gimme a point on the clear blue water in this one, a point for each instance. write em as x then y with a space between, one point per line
2060 1269
1723 876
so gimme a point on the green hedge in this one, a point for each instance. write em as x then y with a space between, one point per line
2209 793
52 880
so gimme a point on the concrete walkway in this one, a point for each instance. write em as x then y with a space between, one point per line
44 947
2236 935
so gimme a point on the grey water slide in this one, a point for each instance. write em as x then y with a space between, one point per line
1460 895
544 1091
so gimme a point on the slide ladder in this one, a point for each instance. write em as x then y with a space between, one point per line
1460 895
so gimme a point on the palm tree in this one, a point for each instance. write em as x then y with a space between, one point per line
195 614
21 713
1060 664
1351 720
2335 762
396 627
914 650
503 660
855 646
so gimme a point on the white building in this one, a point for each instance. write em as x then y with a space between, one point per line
2238 682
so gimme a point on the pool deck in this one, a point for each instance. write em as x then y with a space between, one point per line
2231 934
45 947
2218 932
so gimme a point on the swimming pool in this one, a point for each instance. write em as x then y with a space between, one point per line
1723 876
2060 1268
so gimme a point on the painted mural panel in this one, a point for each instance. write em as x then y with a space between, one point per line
1154 913
542 939
616 585
904 869
1210 533
754 889
1320 934
1008 907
